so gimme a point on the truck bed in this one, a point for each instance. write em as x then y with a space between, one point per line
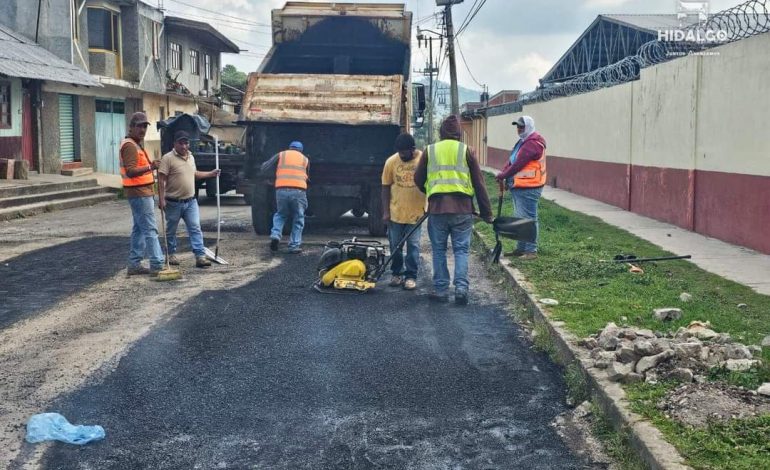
326 99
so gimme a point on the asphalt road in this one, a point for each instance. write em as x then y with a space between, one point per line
274 375
243 366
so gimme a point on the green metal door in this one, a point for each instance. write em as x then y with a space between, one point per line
110 129
66 128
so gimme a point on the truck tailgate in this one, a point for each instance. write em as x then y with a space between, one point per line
332 99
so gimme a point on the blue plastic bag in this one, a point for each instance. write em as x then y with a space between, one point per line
53 426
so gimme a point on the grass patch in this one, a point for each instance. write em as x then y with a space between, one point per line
577 387
592 293
617 444
733 445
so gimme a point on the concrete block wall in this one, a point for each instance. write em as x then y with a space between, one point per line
685 144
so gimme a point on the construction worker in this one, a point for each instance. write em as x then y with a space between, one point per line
291 178
177 197
138 185
402 205
525 175
450 175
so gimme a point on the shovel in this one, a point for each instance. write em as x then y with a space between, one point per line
214 255
498 249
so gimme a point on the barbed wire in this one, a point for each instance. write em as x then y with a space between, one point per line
740 22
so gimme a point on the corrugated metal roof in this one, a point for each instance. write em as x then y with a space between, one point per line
21 57
652 23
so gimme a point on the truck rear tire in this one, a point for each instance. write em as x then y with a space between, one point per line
262 207
211 187
376 225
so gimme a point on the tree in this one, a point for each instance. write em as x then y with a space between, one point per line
231 76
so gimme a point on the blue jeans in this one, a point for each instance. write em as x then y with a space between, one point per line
440 228
189 212
396 232
525 207
292 204
144 234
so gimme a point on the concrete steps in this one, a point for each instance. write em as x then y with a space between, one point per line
32 199
78 171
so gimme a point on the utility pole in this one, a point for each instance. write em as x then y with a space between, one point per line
450 37
430 69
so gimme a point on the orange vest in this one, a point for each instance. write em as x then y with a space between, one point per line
532 175
141 160
291 171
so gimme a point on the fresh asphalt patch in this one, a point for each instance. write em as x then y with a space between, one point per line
275 375
37 280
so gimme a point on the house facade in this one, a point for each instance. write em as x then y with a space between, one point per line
123 45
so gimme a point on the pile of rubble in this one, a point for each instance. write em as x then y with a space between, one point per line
634 355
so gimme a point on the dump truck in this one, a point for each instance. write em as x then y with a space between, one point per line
337 80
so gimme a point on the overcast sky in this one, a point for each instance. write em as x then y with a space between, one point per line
510 44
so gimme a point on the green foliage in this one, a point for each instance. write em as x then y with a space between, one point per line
231 76
738 444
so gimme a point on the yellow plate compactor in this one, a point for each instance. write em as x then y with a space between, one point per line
355 265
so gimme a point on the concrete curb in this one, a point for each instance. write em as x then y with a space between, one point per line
646 440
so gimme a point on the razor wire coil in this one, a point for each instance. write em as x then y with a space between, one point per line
740 22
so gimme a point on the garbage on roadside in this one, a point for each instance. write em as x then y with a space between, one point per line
55 427
551 302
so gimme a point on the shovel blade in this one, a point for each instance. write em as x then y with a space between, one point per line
516 229
213 257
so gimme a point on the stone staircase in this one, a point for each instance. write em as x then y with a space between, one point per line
24 200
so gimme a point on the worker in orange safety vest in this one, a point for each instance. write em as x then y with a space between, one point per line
291 178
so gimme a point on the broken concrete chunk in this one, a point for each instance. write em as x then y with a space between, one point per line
648 362
667 314
682 374
737 351
604 359
626 354
645 334
766 342
648 347
608 343
617 372
589 343
690 350
764 389
737 365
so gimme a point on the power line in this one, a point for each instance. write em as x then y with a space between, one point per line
465 25
462 56
215 12
215 20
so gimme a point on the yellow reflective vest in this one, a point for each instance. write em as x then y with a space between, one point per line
448 170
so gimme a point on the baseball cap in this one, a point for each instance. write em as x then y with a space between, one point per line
297 145
181 135
138 119
519 122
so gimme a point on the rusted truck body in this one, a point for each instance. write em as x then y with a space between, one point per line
336 79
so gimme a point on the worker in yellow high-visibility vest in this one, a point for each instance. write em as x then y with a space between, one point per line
450 175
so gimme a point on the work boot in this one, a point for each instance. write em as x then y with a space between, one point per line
274 244
396 281
528 256
202 262
294 250
137 270
440 297
410 284
461 298
515 253
154 272
173 260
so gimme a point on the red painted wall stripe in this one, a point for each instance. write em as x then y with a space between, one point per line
731 207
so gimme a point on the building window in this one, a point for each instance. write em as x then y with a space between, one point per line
176 55
195 65
5 105
103 29
207 66
155 40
